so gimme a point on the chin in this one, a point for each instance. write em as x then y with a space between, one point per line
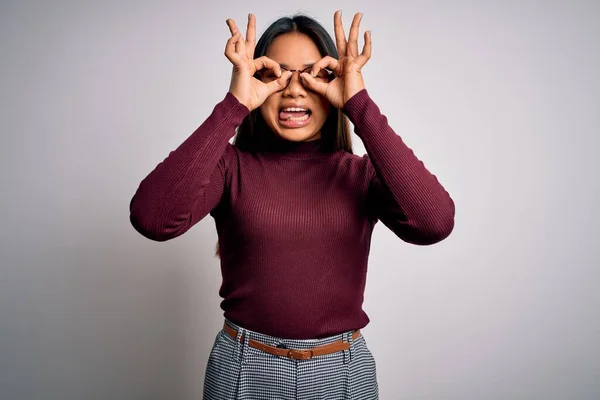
297 135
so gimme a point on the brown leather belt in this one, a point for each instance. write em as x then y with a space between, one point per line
303 354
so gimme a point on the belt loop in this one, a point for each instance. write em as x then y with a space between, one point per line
237 353
245 346
350 340
346 352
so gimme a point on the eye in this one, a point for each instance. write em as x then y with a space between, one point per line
324 74
268 74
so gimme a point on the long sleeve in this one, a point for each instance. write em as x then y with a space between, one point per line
188 184
403 194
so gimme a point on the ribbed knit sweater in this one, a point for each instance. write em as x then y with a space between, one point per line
295 224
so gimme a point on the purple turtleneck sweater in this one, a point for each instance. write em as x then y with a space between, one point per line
294 225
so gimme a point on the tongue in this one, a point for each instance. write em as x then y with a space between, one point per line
288 114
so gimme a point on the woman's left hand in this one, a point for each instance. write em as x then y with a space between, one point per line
349 79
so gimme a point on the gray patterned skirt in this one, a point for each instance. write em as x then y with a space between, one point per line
237 371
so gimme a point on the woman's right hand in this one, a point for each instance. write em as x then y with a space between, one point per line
250 91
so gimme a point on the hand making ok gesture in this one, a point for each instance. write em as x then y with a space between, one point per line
349 79
250 91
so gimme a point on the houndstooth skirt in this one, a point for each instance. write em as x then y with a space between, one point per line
237 371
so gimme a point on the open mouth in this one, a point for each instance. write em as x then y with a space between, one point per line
294 114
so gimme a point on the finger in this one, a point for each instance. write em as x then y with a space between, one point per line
340 35
311 83
325 62
280 83
265 62
251 35
230 52
366 53
232 26
353 37
240 46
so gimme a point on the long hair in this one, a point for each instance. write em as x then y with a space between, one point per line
253 134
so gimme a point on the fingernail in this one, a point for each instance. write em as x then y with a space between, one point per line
249 16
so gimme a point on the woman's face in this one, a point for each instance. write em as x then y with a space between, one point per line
295 51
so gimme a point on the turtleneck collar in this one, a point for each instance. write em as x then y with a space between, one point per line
305 149
288 146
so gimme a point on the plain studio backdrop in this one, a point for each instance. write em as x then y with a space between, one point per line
500 101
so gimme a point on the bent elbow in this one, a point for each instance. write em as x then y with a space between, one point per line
426 234
439 233
439 227
148 230
153 228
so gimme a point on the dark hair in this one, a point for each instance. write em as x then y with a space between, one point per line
253 133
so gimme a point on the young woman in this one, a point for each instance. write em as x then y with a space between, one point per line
294 210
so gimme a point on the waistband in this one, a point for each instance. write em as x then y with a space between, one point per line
292 343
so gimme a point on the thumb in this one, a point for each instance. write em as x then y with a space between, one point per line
279 83
311 83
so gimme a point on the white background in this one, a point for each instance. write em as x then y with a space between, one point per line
500 100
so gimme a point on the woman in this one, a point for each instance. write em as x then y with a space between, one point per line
294 210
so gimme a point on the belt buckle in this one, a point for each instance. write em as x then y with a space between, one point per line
300 354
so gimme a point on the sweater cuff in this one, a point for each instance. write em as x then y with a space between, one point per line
356 105
239 111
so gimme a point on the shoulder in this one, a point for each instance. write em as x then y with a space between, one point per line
359 166
234 157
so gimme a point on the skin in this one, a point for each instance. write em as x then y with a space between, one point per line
295 50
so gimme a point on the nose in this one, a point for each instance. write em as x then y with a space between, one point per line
295 86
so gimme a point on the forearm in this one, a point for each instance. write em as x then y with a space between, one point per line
163 204
427 208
